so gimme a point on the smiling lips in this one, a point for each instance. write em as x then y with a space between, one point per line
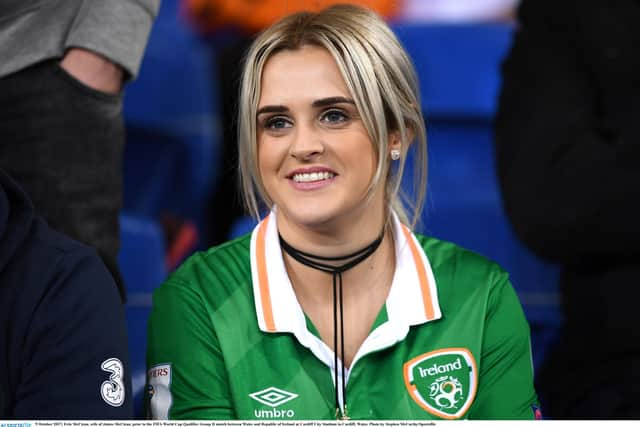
313 176
309 180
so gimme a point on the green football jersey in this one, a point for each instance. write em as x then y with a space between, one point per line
228 340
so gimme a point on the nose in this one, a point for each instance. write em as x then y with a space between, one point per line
306 143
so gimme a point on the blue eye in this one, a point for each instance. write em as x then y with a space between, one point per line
277 123
334 116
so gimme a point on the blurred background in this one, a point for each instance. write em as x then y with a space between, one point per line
179 157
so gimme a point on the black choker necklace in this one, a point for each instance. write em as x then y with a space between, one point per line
320 263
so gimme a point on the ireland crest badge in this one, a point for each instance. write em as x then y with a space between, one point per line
442 382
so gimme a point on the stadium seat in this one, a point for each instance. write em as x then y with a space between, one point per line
171 155
142 265
458 66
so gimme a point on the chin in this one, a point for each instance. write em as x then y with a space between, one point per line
309 215
311 219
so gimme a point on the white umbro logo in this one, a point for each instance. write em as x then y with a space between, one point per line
273 396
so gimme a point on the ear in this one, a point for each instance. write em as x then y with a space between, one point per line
395 142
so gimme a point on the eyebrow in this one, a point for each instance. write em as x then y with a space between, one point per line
332 100
272 109
324 102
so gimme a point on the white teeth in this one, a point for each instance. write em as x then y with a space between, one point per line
311 177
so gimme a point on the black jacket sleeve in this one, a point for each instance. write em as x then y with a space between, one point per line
567 131
74 360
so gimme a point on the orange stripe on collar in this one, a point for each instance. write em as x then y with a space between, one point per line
261 259
422 275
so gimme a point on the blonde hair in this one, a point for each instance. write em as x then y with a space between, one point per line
381 79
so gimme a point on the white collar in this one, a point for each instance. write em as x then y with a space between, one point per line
412 300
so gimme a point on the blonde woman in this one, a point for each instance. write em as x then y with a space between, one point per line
332 307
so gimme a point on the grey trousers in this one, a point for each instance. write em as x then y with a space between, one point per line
62 142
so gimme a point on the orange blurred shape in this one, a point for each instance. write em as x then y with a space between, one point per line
255 15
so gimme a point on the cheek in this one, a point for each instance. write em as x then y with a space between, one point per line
263 163
262 159
269 159
369 161
365 153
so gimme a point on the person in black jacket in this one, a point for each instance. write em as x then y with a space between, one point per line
568 150
63 344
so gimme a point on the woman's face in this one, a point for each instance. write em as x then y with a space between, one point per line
315 157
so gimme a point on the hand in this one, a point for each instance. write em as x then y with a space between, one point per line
93 70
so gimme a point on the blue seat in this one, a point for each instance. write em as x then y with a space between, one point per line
458 66
171 156
241 226
142 264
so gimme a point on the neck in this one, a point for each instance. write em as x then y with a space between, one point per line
361 292
337 265
375 271
335 238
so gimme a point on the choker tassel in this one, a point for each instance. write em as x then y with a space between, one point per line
324 264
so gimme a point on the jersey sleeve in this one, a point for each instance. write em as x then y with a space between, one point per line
186 374
505 385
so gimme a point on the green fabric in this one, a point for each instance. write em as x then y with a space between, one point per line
380 319
203 324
